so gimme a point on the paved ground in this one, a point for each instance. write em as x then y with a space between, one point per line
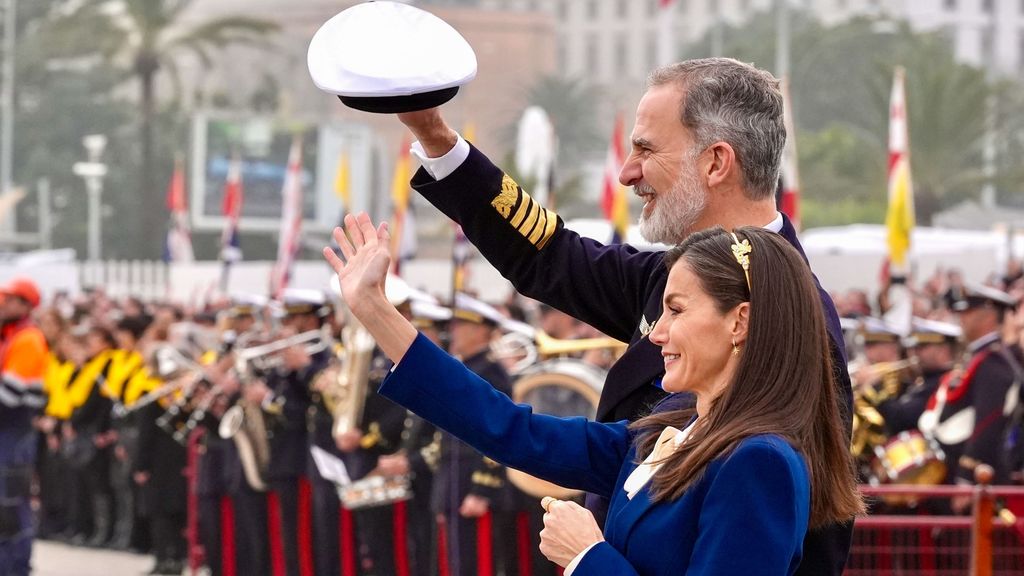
54 559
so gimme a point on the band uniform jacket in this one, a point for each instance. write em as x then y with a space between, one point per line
462 470
747 514
972 420
616 289
286 420
381 422
164 460
901 413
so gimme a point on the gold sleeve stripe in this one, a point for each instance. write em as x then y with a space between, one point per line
538 230
531 219
534 222
524 207
549 231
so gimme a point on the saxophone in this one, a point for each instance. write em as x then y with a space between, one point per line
244 424
343 384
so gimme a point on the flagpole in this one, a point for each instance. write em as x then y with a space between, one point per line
666 32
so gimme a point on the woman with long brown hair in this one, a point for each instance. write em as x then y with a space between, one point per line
729 487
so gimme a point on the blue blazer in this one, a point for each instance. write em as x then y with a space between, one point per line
747 514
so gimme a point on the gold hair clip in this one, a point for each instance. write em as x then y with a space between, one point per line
742 250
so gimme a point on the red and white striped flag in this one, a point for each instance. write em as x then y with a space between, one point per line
289 242
230 246
790 204
899 219
614 202
178 246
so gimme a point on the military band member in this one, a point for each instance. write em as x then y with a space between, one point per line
249 506
472 496
420 452
934 346
378 434
162 488
285 398
969 411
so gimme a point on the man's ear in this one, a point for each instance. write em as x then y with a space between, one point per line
722 164
741 322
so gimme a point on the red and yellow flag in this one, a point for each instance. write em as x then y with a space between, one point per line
614 202
899 220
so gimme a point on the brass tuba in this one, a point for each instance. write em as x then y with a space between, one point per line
244 424
343 383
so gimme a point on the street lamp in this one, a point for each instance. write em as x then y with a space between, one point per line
93 172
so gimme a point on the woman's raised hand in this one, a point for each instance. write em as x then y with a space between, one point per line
366 259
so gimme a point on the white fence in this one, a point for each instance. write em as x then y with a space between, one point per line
199 282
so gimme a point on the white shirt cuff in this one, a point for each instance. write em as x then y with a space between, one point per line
441 168
576 561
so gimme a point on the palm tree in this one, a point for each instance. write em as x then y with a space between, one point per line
152 39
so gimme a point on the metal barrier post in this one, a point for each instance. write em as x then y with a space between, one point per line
981 530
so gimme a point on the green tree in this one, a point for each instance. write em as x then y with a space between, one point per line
151 37
62 96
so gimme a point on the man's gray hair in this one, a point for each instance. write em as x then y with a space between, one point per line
725 100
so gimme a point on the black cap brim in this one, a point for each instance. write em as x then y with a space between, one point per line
398 104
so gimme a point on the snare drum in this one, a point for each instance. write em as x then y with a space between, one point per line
374 491
910 458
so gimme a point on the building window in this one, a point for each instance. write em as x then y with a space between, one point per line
950 5
986 6
623 9
592 10
592 56
563 11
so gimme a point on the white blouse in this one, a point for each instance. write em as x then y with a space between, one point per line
670 439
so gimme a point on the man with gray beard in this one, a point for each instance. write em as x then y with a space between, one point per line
706 149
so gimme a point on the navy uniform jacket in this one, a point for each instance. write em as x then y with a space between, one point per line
287 437
984 390
902 413
747 514
616 289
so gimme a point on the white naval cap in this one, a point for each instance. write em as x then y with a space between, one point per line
878 331
245 304
927 331
470 309
390 57
977 295
303 301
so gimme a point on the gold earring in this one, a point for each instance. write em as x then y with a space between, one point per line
735 348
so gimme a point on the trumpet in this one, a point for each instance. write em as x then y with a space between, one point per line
120 410
530 345
263 358
198 414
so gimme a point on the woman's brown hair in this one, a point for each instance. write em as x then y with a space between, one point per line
783 383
